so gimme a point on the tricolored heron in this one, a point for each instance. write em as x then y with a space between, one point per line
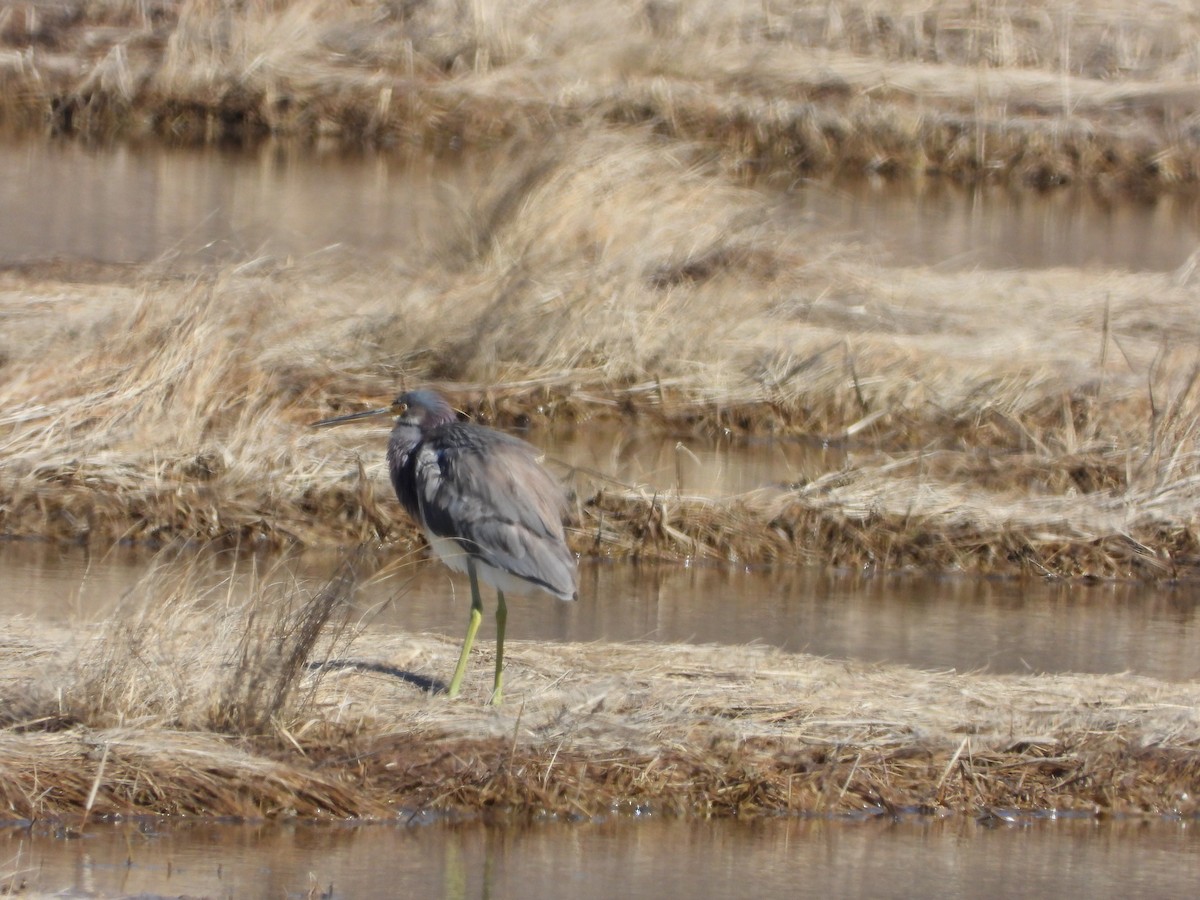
484 502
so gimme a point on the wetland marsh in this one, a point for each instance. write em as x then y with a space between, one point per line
798 296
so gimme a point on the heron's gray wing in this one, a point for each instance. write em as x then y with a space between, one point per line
488 491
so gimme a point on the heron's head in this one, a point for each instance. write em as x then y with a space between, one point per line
423 408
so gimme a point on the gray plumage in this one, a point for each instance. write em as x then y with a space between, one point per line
484 490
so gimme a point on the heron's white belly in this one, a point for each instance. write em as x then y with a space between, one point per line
453 555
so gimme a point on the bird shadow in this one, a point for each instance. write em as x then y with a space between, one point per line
423 682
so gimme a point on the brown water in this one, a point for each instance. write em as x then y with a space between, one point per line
654 858
127 204
687 464
956 227
1001 625
65 200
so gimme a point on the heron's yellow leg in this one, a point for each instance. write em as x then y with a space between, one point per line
472 627
501 621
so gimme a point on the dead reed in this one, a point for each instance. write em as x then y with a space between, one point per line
195 651
160 709
1098 92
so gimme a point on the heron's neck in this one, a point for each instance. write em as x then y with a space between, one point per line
404 440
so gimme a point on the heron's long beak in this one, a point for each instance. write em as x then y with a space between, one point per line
367 414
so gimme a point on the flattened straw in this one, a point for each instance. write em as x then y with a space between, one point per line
91 797
849 778
950 765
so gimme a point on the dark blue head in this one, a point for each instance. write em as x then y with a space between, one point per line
424 408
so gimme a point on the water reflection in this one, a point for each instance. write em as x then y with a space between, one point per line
1001 625
929 622
954 226
652 858
136 204
685 464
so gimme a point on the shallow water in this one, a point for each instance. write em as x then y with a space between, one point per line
997 625
686 464
652 858
136 204
993 227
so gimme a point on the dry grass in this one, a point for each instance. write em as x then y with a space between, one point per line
1037 93
164 704
135 719
224 658
193 647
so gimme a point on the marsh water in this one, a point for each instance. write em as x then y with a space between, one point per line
176 206
966 624
136 205
616 858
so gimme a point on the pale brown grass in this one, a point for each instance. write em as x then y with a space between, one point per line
164 700
1037 422
198 654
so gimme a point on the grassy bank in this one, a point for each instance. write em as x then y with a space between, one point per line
1034 93
268 702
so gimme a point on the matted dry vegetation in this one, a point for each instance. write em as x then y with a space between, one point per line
189 701
1037 92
